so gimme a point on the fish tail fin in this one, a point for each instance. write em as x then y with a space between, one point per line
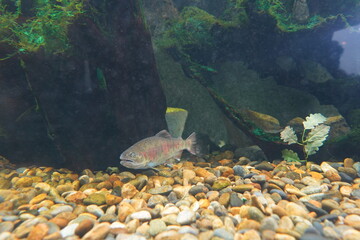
193 148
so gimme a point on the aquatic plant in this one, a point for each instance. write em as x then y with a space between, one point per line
282 12
26 26
310 140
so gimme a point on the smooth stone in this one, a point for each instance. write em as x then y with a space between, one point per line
309 181
69 230
99 231
220 211
312 208
348 162
38 232
10 218
123 236
239 171
220 184
268 223
169 209
128 191
312 236
241 188
169 235
296 210
188 229
329 204
329 217
162 190
316 168
258 179
264 166
293 175
331 233
355 194
198 189
83 227
326 167
280 192
57 209
141 215
186 217
283 236
95 198
311 189
6 227
255 214
96 210
286 223
156 226
224 199
156 199
170 219
235 201
279 183
345 177
351 234
357 167
223 233
108 218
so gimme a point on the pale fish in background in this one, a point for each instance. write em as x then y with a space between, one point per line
153 151
175 119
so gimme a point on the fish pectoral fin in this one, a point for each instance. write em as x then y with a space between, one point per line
164 134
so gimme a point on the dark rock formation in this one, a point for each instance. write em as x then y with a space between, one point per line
85 107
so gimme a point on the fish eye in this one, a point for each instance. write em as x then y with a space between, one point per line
132 154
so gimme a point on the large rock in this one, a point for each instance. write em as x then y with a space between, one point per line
86 106
204 115
244 88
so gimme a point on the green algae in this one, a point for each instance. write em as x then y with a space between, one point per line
281 11
44 24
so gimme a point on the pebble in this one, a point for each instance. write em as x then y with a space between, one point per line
186 217
83 227
223 233
141 216
99 231
214 200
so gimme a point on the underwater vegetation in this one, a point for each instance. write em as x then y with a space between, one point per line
292 16
313 137
25 26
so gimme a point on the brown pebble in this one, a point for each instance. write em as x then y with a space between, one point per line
332 175
38 232
38 198
61 222
53 236
224 199
348 162
279 211
83 227
248 224
99 231
124 210
112 199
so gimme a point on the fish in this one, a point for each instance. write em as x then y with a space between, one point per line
156 150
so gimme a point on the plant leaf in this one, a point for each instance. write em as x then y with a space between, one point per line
316 138
290 156
288 135
313 120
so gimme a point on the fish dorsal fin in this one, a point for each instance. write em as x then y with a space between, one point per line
163 134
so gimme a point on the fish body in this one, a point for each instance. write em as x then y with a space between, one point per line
153 151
